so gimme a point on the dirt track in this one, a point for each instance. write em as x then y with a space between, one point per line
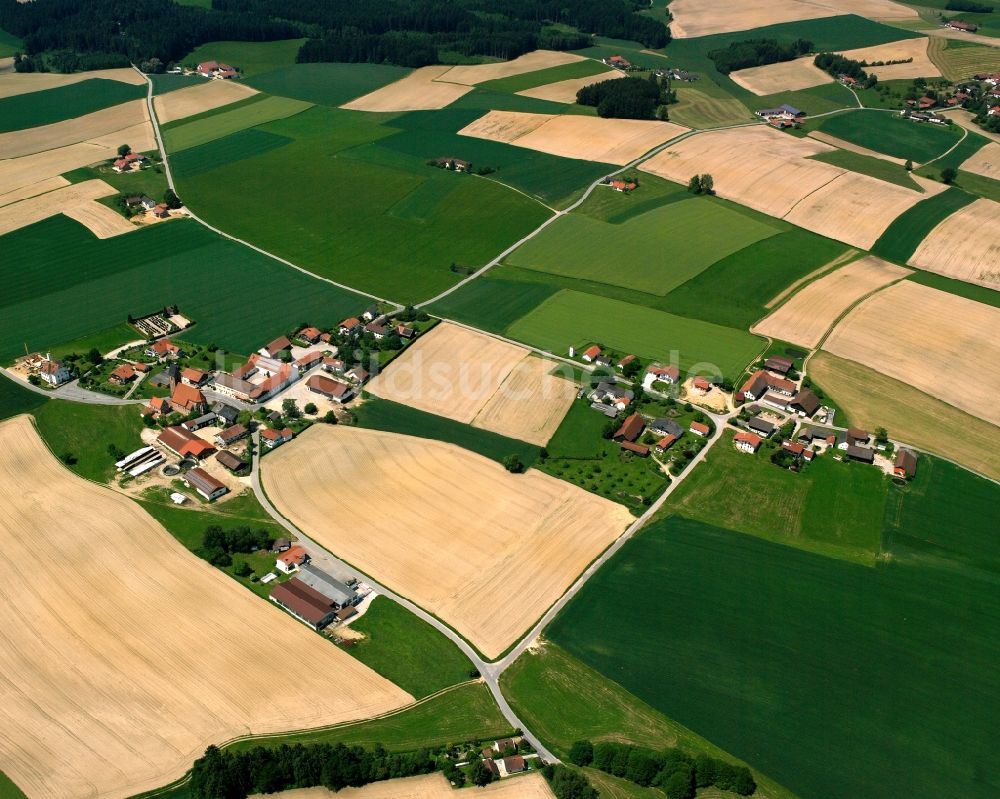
124 655
449 529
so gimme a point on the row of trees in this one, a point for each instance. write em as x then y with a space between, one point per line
674 771
222 774
628 98
969 5
836 65
87 34
568 784
756 53
218 544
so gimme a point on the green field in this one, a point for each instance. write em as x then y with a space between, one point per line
407 650
814 100
654 252
85 431
493 303
483 100
706 105
9 44
8 790
59 263
868 165
216 126
889 133
901 239
150 181
327 84
570 318
959 287
228 150
834 679
250 58
364 242
380 414
562 701
15 399
542 77
65 102
830 507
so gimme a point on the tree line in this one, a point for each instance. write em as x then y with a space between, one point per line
223 774
836 65
75 34
218 544
675 772
628 98
757 53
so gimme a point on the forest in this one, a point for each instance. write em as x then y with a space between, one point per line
406 32
629 98
757 53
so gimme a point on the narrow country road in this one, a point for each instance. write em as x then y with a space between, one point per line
72 392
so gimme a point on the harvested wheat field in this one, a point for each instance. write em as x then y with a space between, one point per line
965 246
454 531
920 67
871 400
843 144
612 141
418 91
791 288
12 83
787 76
529 404
197 99
23 173
808 315
534 61
939 343
430 786
693 18
74 201
856 208
124 655
985 162
451 371
132 114
564 91
55 182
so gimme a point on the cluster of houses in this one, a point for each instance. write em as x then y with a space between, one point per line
920 116
502 760
782 116
312 596
677 74
452 163
129 162
667 432
624 185
215 70
149 205
51 371
619 62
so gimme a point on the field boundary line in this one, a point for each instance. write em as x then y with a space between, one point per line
791 290
154 121
836 322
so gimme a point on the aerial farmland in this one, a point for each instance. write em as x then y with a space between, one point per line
525 401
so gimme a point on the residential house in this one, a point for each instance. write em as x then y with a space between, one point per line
456 164
854 436
309 334
194 377
701 384
404 332
784 110
227 413
602 360
184 443
247 370
377 330
281 545
164 349
187 399
128 162
53 372
309 360
305 603
700 429
291 559
666 427
620 366
805 403
280 344
232 386
630 429
798 450
612 394
514 764
994 111
636 449
747 442
761 426
230 461
229 436
333 390
284 377
161 211
812 434
350 325
665 443
202 421
371 313
272 438
905 465
334 365
761 382
965 27
590 353
207 68
624 186
358 375
778 364
618 62
122 374
664 374
206 485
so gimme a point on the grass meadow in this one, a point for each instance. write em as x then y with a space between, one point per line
889 133
830 507
654 252
350 215
9 44
571 318
58 263
407 650
65 102
962 60
326 84
68 428
251 58
543 77
492 303
836 680
15 398
223 123
904 234
959 287
871 166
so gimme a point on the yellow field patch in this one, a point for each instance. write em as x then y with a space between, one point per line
808 315
920 67
965 246
430 786
418 91
564 91
612 141
472 74
76 201
786 76
985 162
125 655
198 99
41 187
452 530
12 83
939 343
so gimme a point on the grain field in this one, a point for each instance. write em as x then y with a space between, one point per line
200 98
965 246
419 91
430 786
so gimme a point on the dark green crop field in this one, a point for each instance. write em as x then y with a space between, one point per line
58 263
65 102
542 77
493 303
15 399
891 134
327 84
835 679
959 287
901 239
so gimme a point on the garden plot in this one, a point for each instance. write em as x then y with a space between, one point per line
421 90
807 316
612 141
939 343
787 76
453 531
197 99
105 692
965 246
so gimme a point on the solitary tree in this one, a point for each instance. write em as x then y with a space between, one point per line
290 409
512 463
694 185
881 435
948 174
123 150
310 408
171 199
707 184
909 165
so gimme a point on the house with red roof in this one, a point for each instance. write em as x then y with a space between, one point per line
700 429
624 186
163 349
187 399
194 377
275 438
747 442
277 346
184 443
349 325
590 353
122 374
290 560
665 443
665 374
310 334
